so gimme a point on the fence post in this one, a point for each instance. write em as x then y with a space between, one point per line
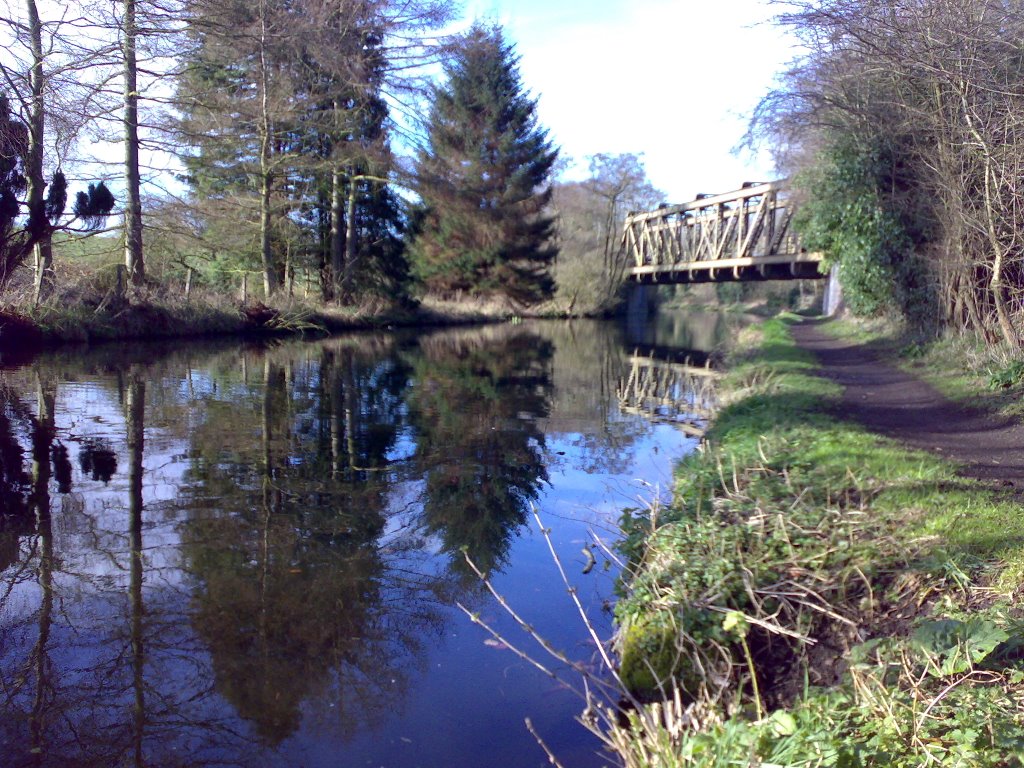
245 287
188 283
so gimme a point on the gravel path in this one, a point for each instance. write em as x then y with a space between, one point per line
889 401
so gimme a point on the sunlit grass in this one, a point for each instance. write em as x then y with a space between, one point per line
887 538
964 367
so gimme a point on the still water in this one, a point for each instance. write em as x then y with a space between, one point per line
256 555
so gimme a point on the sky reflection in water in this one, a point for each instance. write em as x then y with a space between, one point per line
252 556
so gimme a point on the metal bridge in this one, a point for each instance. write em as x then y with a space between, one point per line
741 235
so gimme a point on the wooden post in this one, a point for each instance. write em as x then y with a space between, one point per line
188 283
245 287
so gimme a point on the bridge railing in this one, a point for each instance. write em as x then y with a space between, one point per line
740 229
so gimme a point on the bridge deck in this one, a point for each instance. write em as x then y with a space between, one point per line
741 235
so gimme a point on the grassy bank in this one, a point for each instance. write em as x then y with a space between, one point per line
78 316
819 595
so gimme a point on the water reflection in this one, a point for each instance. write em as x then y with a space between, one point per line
287 541
474 407
14 480
689 331
251 556
98 459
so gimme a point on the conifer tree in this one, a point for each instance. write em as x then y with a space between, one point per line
316 194
483 180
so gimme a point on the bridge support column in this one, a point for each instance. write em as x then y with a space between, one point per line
832 300
638 310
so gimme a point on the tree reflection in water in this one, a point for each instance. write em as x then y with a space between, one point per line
314 580
14 480
299 599
200 560
475 407
98 459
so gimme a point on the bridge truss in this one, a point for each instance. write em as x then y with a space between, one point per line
683 394
741 235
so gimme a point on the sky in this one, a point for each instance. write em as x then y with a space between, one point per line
675 80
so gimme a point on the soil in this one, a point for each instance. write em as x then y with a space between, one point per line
894 403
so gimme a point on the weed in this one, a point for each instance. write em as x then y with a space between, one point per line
1007 376
793 538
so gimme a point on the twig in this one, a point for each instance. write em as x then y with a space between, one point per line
517 651
548 648
609 665
777 629
551 755
608 552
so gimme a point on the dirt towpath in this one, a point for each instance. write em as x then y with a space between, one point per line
896 404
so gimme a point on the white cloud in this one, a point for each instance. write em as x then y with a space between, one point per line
674 79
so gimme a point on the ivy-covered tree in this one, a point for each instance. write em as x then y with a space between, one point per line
483 178
13 147
21 226
853 212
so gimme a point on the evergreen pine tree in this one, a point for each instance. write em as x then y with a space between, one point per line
483 179
328 129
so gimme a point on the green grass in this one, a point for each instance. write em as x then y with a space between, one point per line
988 376
90 252
806 526
963 367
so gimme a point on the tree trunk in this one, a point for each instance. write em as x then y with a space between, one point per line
350 240
133 258
997 285
266 170
337 244
266 251
38 224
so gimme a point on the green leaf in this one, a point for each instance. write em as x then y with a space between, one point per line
782 723
958 646
735 623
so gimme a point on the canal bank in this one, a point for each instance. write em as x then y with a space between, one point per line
819 594
159 315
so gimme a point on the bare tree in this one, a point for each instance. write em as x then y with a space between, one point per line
41 67
38 222
941 83
589 272
133 255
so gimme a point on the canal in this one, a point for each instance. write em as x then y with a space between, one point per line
258 554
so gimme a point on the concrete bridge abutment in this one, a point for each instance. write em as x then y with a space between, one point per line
832 300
